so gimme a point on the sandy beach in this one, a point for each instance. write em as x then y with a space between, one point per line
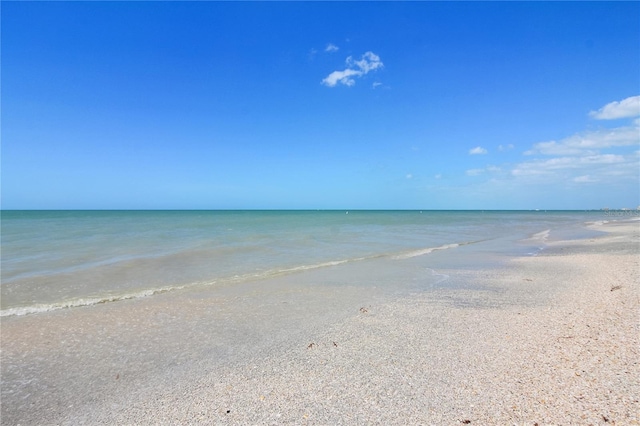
547 339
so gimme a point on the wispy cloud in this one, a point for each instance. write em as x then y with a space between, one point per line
607 156
629 107
589 142
502 148
478 150
604 168
355 68
331 48
587 157
552 165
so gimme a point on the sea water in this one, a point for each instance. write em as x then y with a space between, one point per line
64 259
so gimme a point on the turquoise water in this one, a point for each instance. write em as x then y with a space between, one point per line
62 259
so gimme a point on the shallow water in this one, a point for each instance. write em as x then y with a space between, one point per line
60 259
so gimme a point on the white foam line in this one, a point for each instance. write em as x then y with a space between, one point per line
76 303
424 251
319 265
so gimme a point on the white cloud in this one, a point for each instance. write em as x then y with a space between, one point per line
368 62
343 77
376 84
477 151
331 48
629 107
589 142
505 147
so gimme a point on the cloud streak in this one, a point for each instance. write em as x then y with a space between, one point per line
355 69
609 168
589 142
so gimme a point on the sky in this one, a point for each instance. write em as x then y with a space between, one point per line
320 105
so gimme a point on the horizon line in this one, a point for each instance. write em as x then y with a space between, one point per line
311 209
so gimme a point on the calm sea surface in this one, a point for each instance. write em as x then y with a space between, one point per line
62 259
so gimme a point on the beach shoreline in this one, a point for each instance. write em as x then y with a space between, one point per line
546 339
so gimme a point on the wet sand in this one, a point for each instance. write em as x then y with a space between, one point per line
550 339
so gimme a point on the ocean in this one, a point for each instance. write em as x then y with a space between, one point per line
54 260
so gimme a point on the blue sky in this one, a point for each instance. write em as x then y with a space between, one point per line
404 105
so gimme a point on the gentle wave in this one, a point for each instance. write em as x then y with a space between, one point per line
421 252
316 266
271 273
325 264
427 250
76 303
